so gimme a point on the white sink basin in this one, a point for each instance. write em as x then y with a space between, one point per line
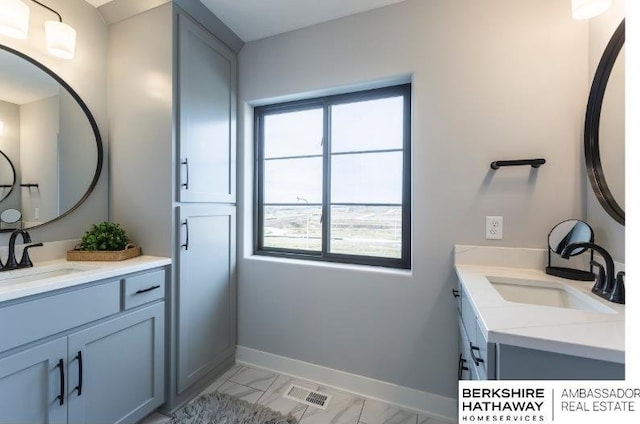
36 273
546 293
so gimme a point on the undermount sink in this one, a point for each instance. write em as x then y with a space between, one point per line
26 275
545 293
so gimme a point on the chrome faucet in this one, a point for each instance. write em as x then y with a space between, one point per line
25 261
604 287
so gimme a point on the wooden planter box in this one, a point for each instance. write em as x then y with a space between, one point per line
104 255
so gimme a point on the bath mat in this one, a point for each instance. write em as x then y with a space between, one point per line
220 408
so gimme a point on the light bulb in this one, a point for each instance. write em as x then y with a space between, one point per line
585 9
61 39
14 18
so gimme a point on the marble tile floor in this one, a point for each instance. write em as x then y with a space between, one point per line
266 388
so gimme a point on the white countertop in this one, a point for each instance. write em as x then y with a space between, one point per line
595 335
13 286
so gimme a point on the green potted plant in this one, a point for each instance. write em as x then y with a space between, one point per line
106 241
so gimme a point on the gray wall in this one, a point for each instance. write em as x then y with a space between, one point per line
10 145
492 80
86 74
608 232
39 130
141 115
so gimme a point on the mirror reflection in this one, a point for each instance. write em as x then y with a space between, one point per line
568 232
7 175
51 139
612 131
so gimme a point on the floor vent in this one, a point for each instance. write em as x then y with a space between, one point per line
308 397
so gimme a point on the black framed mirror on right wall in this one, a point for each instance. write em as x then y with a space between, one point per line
604 131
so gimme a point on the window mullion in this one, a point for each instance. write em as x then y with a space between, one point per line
326 175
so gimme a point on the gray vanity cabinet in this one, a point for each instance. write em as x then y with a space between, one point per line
475 353
207 291
206 115
106 369
30 382
499 361
122 364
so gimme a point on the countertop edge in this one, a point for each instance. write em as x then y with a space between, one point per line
98 271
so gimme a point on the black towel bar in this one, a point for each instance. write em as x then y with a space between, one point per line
535 163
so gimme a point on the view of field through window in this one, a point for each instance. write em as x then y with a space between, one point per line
355 230
356 170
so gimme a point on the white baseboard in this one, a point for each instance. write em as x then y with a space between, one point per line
404 397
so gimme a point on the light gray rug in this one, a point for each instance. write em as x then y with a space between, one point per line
219 408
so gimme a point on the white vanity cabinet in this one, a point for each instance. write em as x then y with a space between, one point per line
81 355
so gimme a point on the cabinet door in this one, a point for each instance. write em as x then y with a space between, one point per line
30 383
122 368
206 116
206 291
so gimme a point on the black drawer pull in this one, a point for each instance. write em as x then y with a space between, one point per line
79 386
147 290
476 359
461 367
61 395
456 292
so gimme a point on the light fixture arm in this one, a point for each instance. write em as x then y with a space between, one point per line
49 9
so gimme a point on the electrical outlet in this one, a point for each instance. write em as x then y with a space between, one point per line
494 228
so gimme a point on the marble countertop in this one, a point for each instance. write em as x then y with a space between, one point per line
24 282
591 334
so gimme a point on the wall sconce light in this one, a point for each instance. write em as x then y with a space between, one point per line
14 22
585 9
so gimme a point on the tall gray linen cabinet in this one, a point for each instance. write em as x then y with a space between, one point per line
172 157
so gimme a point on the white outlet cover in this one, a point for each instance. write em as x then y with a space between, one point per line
494 228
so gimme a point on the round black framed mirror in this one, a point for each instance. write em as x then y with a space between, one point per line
51 138
594 140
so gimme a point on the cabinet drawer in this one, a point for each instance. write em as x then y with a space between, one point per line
32 320
142 289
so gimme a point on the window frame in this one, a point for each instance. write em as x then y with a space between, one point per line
325 103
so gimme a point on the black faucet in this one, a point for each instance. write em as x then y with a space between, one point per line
617 294
25 262
602 290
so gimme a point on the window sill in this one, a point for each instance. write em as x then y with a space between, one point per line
330 265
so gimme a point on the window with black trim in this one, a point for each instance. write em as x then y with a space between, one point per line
333 178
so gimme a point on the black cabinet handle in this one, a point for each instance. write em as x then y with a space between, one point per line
476 359
79 386
186 243
186 164
461 367
61 395
147 290
456 292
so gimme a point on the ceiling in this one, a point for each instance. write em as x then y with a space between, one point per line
256 19
21 82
